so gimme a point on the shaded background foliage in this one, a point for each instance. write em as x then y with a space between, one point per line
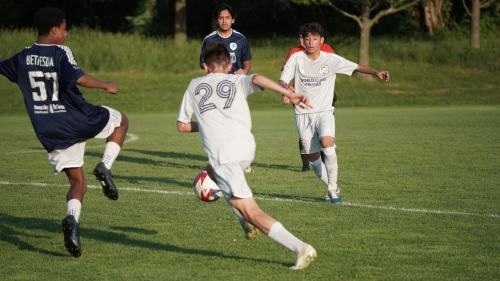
257 18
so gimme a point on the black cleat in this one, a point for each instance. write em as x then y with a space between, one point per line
103 175
71 230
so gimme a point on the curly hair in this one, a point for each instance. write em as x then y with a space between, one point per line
47 18
313 28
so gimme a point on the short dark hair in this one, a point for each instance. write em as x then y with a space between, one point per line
216 55
301 30
221 7
313 28
47 18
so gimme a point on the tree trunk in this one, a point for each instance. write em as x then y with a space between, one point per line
180 22
364 47
428 20
475 24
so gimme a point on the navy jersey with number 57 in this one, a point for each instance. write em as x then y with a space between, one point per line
47 75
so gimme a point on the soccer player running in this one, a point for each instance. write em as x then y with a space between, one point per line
314 73
219 102
301 48
239 49
48 75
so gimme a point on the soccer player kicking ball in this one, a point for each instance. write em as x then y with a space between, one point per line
48 75
219 102
314 72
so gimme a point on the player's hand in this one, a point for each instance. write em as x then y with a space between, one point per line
300 100
384 75
240 71
111 87
285 100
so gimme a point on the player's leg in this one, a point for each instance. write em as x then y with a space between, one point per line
326 134
70 160
326 128
74 198
233 184
115 133
305 162
252 213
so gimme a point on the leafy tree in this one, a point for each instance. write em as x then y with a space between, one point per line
475 22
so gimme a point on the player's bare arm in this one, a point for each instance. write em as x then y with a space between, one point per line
246 68
90 82
384 75
2 59
297 99
285 100
187 127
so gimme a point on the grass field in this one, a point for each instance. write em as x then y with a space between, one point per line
420 190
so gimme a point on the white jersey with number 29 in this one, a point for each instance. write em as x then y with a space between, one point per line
219 102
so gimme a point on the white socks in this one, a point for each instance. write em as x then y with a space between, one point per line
332 166
282 236
110 153
320 170
74 207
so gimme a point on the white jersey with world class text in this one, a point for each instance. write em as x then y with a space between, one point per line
219 102
316 79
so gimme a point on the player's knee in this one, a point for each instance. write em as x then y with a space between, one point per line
124 122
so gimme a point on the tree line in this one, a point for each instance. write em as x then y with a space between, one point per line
183 19
263 18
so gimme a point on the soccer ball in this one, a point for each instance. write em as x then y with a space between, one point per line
205 188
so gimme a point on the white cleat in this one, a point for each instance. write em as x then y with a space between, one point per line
305 256
248 170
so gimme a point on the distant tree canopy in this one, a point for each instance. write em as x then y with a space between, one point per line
254 18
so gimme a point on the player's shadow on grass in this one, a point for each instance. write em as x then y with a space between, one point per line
139 180
166 164
282 196
184 156
17 230
171 154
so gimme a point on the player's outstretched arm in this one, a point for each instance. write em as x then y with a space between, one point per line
384 75
187 127
297 99
90 82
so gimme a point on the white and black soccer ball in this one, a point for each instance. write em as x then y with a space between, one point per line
205 188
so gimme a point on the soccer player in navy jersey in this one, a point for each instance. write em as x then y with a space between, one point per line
48 75
239 49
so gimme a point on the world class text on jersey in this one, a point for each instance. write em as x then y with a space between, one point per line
312 81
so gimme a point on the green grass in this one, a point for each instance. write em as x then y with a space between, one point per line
152 74
420 189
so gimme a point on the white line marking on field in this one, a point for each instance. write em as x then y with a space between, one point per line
271 199
131 138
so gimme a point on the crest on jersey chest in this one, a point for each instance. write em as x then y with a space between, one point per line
323 70
233 46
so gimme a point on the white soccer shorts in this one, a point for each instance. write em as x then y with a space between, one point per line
312 127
